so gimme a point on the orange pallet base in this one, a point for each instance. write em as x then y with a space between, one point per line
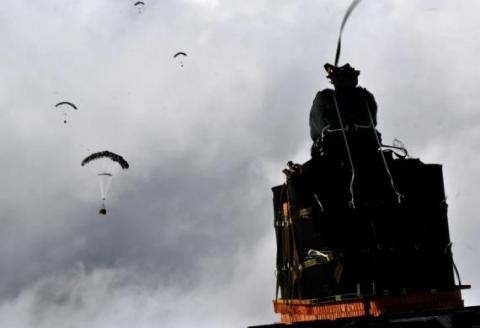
309 310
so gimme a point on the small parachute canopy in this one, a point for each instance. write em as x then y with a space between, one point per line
109 155
67 103
139 5
64 105
179 54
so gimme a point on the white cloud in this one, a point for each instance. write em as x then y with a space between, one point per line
209 3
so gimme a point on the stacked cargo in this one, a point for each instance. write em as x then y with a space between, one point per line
373 243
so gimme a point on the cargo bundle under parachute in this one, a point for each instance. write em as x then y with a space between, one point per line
105 164
384 255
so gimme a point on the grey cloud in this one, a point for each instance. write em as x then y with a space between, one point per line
190 223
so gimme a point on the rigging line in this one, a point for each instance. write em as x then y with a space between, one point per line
318 202
405 152
344 134
448 252
456 272
387 169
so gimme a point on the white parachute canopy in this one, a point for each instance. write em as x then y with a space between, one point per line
105 165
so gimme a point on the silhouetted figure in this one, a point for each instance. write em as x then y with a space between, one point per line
346 163
348 112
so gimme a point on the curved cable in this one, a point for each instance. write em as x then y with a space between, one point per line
387 169
448 252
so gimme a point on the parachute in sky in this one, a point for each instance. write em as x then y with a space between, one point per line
105 165
179 54
66 105
139 5
182 54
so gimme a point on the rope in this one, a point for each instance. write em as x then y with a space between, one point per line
318 202
379 143
350 160
448 252
456 272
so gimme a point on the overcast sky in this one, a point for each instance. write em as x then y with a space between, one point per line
188 240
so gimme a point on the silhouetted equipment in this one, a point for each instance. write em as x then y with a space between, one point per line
467 317
381 257
361 229
362 235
